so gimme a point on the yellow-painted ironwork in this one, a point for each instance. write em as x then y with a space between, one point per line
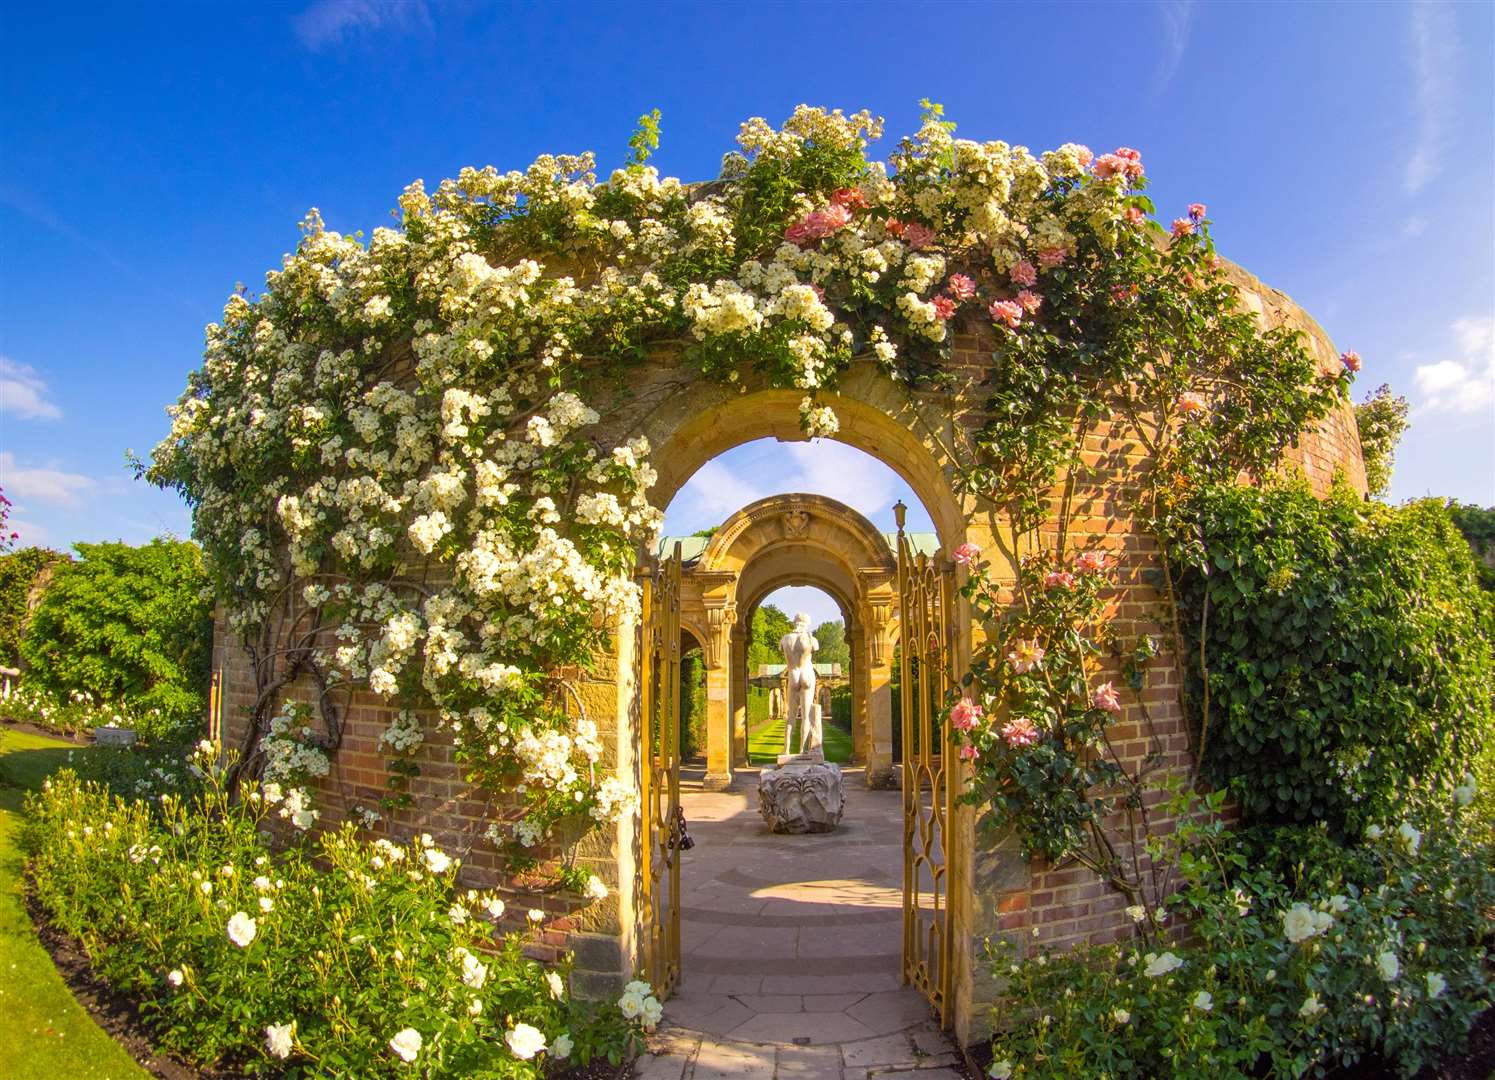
215 707
659 773
926 599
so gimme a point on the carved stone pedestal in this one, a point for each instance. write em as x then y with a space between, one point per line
805 794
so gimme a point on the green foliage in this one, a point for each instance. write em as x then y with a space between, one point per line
350 942
692 705
1382 419
129 626
831 636
769 626
1348 671
1477 523
18 571
1377 949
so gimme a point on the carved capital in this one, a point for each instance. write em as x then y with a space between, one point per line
720 618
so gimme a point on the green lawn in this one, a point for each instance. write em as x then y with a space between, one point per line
766 742
53 1038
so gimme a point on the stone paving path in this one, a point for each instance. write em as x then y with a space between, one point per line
790 950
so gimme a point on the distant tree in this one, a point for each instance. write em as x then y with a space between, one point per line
19 571
1382 419
769 625
833 647
1477 523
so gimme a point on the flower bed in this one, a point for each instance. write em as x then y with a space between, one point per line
1299 955
339 958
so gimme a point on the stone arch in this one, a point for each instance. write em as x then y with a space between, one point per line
797 539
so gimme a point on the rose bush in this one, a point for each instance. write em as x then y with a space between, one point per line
339 958
1293 953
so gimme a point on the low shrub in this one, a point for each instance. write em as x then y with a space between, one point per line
130 626
1312 956
1347 649
75 713
338 957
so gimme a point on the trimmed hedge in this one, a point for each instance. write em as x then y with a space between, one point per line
1348 653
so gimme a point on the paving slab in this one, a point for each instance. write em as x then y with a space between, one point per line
732 1060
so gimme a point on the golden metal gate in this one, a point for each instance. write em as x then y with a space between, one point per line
659 773
926 635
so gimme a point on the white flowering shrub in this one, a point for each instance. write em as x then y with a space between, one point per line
1284 952
392 451
342 959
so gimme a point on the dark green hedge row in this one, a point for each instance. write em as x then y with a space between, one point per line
1348 647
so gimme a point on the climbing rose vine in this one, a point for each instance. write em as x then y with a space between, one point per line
391 451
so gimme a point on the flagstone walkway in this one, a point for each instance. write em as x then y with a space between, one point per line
790 950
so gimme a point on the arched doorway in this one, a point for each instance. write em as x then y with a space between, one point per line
792 539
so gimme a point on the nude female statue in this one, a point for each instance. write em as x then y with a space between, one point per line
798 647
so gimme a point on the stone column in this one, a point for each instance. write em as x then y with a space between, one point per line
877 661
857 642
739 683
718 727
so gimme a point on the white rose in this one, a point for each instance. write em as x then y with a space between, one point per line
407 1044
536 916
1121 1016
279 1040
1311 1007
1000 1070
1410 838
437 861
241 929
1388 965
653 1012
631 1004
1136 913
557 988
1436 984
524 1041
1299 924
474 972
494 907
561 1048
1161 965
1203 1001
174 976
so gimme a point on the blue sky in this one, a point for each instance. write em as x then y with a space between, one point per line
152 156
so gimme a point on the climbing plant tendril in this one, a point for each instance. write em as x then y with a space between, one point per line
388 449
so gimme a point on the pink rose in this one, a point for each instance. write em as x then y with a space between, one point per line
1029 301
1024 273
944 307
1106 698
1182 227
961 287
1050 257
1092 562
1122 293
852 198
1086 157
1058 579
1025 656
1134 215
1191 402
1007 312
966 554
1020 732
965 715
918 236
819 224
1351 360
1125 162
1196 210
967 753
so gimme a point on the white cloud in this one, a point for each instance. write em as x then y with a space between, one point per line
331 22
1414 226
41 485
23 393
842 472
1435 55
1465 385
1178 18
29 534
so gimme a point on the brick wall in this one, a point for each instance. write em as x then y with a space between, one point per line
688 422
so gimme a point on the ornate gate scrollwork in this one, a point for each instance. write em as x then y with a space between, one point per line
926 601
659 774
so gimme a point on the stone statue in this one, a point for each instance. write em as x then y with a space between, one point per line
798 647
775 703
